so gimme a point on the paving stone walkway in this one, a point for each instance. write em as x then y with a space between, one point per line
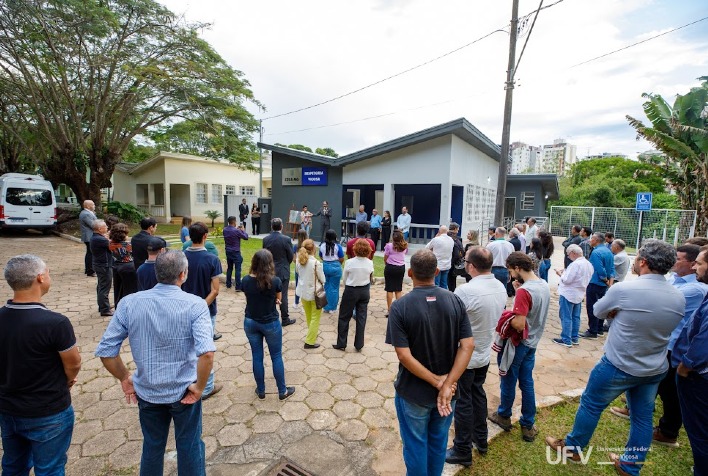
341 420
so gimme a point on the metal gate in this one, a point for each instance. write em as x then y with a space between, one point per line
632 226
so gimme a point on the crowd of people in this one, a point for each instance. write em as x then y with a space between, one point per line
443 333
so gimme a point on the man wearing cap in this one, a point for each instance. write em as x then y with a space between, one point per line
147 279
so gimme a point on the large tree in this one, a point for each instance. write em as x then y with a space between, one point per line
85 77
681 133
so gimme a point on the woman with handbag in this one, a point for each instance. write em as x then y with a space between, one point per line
332 255
263 291
358 274
311 278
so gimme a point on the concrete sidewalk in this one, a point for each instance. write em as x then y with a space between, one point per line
341 420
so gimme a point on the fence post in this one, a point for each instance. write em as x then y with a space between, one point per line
592 219
693 227
639 229
676 235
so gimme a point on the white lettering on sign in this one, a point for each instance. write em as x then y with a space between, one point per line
314 172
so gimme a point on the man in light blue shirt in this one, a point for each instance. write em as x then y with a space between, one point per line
375 227
603 263
170 335
361 214
403 222
645 311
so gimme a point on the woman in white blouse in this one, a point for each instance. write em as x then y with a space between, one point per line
358 272
307 266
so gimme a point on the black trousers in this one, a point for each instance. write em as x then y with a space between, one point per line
375 236
256 226
284 313
88 259
103 287
471 411
593 293
354 297
670 422
386 236
125 281
452 279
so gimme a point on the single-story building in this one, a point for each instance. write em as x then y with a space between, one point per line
527 195
171 185
445 173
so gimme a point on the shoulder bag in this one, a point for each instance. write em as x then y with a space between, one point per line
320 294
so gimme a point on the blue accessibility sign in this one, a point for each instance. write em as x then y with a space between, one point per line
643 201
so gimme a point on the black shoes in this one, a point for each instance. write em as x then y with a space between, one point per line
108 313
217 336
339 347
588 335
311 346
288 392
454 457
261 395
287 322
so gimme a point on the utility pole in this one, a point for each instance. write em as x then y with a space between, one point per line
506 130
260 159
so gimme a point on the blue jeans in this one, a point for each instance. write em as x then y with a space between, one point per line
297 298
441 279
693 400
333 275
406 235
155 421
272 332
521 370
543 269
40 442
606 383
570 320
424 435
233 260
307 228
501 273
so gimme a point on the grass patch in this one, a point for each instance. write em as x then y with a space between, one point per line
509 455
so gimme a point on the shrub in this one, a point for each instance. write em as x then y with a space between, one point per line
125 211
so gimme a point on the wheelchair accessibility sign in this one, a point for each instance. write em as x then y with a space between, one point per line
643 201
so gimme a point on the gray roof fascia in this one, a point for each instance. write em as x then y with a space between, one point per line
300 154
460 127
548 181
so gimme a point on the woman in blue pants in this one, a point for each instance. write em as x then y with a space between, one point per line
332 256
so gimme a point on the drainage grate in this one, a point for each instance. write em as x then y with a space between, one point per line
288 468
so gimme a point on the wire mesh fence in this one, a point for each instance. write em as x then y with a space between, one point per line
632 226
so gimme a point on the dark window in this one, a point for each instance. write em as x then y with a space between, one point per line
29 197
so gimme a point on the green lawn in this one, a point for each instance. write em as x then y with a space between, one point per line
509 455
248 248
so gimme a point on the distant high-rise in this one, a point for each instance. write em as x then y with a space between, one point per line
525 159
558 157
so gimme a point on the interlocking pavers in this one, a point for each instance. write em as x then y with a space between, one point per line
343 403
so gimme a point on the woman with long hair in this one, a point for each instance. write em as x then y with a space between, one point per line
310 271
125 280
263 290
546 251
332 255
358 272
472 240
184 232
255 219
395 269
301 237
536 254
385 229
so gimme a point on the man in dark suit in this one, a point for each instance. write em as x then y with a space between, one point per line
281 247
326 213
140 242
243 212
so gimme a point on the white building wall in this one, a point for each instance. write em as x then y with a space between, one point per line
478 174
428 162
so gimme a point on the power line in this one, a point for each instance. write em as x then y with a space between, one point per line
638 42
420 65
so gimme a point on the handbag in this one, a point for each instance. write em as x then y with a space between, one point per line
320 295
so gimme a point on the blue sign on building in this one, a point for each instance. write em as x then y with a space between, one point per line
314 176
643 201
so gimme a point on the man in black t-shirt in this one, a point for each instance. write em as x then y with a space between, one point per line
433 340
39 362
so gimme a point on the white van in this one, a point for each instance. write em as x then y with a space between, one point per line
27 201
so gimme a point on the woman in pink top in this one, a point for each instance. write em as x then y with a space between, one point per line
394 257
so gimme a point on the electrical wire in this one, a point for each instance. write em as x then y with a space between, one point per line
420 65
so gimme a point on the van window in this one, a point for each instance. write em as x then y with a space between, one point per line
29 197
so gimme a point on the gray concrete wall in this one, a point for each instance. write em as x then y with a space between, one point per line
514 190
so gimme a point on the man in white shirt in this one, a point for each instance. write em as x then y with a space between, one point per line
442 246
403 222
484 298
501 249
531 232
573 283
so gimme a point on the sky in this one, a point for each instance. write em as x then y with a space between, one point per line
298 54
